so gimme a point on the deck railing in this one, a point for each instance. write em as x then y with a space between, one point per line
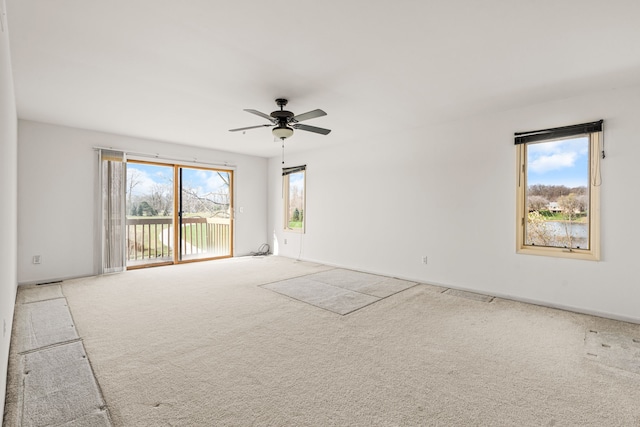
152 238
206 236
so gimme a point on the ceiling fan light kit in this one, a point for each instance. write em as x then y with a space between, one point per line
282 132
285 122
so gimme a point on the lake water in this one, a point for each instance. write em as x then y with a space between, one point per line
579 232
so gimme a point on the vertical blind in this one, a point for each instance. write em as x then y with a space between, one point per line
113 174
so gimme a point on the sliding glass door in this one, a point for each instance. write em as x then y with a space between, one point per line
177 213
204 213
149 207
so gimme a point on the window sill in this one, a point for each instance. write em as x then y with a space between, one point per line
581 254
294 230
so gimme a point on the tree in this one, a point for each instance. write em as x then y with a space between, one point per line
552 192
225 178
570 206
295 198
134 177
160 198
583 202
537 203
215 202
537 231
296 215
146 209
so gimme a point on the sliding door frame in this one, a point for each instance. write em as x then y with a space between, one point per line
177 200
177 214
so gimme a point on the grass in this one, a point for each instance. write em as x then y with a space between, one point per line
295 224
559 216
195 235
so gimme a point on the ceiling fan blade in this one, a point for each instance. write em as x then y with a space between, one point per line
261 114
247 128
308 115
313 129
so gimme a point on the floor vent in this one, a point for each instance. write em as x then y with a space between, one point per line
49 283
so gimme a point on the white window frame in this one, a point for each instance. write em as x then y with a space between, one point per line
593 253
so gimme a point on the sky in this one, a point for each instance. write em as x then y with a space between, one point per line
296 180
205 181
563 162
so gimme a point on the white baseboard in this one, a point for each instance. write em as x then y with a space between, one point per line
541 303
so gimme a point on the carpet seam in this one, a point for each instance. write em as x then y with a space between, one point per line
22 395
42 300
345 289
294 277
381 298
104 406
47 347
308 303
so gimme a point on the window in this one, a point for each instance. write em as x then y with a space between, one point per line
558 191
294 198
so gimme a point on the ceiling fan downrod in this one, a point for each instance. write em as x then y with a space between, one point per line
281 102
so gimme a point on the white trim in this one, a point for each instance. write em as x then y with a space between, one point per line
134 155
541 303
57 280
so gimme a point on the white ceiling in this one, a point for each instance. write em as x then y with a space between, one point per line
183 71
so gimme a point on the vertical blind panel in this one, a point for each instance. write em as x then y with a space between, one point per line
113 180
561 132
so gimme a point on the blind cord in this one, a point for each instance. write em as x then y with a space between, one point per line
603 155
597 176
300 251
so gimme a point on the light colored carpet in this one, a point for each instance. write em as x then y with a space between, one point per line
204 344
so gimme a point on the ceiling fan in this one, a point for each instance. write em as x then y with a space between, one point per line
285 122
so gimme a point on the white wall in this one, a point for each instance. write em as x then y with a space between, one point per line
8 200
448 192
57 186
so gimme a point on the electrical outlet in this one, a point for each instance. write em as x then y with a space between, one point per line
285 241
37 259
424 259
4 327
